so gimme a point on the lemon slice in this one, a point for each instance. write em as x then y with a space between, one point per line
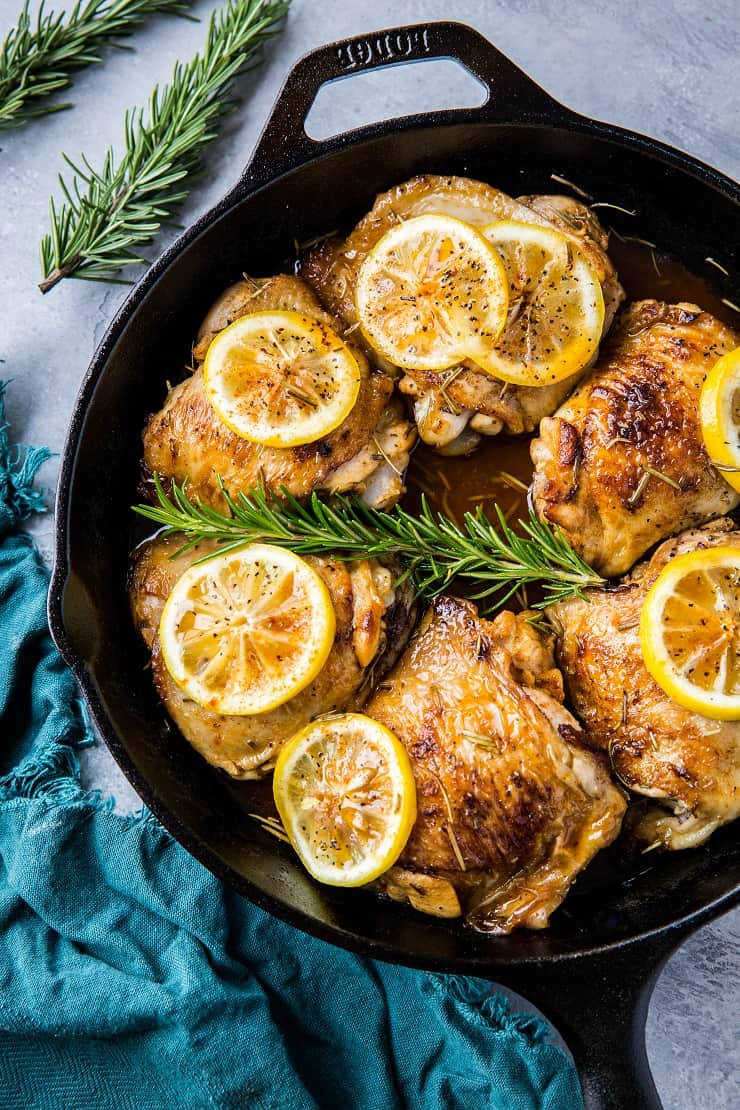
690 631
247 630
431 293
345 792
280 378
556 306
719 408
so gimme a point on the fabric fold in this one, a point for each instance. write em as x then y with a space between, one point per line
131 977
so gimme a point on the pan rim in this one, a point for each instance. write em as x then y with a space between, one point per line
240 194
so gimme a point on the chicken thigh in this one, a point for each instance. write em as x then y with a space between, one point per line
373 621
368 453
622 463
511 802
452 412
688 763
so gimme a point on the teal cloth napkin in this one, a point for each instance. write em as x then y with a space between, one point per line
131 978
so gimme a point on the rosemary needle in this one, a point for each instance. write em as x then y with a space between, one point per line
108 214
432 548
39 55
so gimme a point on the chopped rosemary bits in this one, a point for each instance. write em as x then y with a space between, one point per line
638 491
637 239
616 207
617 439
302 396
271 825
386 458
569 184
482 741
449 827
718 266
662 477
511 480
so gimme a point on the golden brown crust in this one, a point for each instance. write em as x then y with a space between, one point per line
332 269
332 266
511 805
657 747
246 747
639 407
186 438
281 293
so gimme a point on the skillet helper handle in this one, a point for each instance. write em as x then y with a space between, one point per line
599 1005
284 144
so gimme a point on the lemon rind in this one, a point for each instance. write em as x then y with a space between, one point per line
315 428
541 374
403 777
319 592
709 704
713 409
390 351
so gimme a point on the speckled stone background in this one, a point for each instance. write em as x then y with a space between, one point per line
669 69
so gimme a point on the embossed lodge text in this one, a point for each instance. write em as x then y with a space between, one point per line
383 48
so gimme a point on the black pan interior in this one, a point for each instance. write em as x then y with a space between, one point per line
678 209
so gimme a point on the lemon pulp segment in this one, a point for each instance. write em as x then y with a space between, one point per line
556 306
431 293
719 409
690 631
345 792
246 631
281 378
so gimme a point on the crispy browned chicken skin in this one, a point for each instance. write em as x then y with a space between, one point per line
480 404
511 804
368 453
622 462
688 763
373 621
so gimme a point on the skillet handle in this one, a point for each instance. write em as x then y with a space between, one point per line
599 1004
512 95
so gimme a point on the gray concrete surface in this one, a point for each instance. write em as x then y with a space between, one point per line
669 69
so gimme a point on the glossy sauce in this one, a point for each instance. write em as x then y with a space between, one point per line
456 485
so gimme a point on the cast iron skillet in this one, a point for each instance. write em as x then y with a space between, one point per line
593 971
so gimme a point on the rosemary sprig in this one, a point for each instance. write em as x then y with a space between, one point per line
39 55
108 214
432 548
